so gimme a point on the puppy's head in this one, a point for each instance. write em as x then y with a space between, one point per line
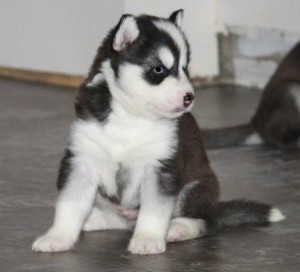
148 65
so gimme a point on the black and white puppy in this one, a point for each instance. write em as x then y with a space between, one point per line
276 121
134 146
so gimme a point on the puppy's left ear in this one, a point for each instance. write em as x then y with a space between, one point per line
127 32
176 17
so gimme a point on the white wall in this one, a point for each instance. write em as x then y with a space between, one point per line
63 35
264 32
275 14
54 35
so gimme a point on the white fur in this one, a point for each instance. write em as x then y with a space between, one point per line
138 133
147 243
99 150
127 33
73 206
105 215
178 38
275 215
253 139
153 220
166 57
185 229
179 18
98 78
136 95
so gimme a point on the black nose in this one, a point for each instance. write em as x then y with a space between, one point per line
188 99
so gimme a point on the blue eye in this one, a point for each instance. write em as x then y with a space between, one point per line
155 75
159 70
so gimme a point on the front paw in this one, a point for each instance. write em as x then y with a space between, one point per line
53 242
145 244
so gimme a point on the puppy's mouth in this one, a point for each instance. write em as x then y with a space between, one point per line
175 113
171 113
184 109
179 110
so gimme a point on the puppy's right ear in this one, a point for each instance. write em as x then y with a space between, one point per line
127 32
176 17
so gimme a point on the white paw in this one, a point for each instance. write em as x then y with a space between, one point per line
146 244
185 229
51 242
177 232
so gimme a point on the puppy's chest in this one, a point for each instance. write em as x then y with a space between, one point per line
137 141
124 189
127 153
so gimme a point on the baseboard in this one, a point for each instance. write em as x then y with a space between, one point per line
42 77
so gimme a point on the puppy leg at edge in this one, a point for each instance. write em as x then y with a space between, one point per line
74 204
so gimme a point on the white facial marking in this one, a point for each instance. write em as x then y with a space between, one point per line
166 57
127 33
178 38
143 99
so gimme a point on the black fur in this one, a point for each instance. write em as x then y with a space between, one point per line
278 123
140 51
65 169
93 102
223 137
238 213
170 175
190 162
174 15
277 118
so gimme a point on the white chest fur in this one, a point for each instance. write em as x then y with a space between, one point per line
135 144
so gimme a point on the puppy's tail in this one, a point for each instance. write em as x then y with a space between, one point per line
238 213
224 137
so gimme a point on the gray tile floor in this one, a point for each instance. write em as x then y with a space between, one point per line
34 122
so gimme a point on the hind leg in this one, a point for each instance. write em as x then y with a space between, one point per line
195 209
182 228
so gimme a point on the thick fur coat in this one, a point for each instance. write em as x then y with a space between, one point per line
135 157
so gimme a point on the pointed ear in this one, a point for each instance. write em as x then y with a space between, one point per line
176 17
127 32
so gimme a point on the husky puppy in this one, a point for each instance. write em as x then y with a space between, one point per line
136 151
276 121
277 118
